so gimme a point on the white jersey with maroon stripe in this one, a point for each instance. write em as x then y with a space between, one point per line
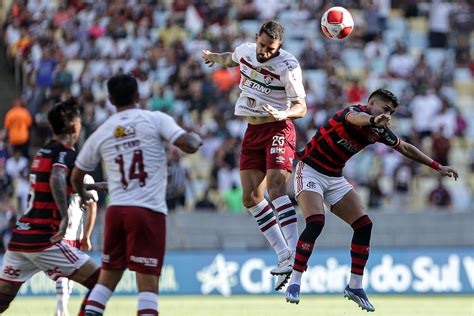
77 216
276 82
131 144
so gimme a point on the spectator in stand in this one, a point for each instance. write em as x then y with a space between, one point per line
17 125
17 168
440 196
423 108
355 93
400 64
440 146
205 204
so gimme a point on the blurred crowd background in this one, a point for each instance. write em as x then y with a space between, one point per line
422 51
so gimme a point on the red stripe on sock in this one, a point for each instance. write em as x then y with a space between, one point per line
147 312
357 271
293 220
359 261
266 208
299 268
362 249
281 208
301 258
315 218
362 224
269 225
95 304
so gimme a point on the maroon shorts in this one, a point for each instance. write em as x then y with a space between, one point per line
134 238
268 146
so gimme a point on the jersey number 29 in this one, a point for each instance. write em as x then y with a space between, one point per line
137 169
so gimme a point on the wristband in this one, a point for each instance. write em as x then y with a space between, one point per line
372 120
435 165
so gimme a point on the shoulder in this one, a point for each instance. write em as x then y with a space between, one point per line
289 60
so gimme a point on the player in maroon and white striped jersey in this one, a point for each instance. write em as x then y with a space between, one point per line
319 180
36 244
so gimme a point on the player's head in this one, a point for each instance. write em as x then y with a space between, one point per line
123 90
269 40
65 119
382 101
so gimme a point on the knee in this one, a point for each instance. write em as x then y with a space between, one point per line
363 223
276 190
251 199
315 222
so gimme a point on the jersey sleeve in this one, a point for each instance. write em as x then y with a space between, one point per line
89 180
89 156
237 53
64 159
167 127
294 81
348 110
389 138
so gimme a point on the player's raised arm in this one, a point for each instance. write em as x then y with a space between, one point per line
364 119
188 142
410 151
224 59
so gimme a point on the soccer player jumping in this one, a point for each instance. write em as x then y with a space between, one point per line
272 94
319 179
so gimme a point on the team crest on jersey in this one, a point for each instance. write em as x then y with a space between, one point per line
125 131
251 102
268 79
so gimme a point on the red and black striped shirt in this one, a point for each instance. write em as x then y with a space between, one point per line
338 140
42 218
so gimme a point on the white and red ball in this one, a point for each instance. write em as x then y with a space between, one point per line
337 23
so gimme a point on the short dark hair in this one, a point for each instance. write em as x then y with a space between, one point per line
273 29
62 114
123 89
385 95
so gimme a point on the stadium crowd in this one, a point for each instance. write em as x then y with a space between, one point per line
420 50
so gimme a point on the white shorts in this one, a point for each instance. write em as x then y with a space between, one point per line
332 189
57 261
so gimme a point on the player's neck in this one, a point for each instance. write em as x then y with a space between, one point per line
127 107
66 140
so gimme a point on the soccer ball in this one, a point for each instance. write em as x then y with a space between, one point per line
337 23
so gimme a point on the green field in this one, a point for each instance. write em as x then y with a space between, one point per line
265 305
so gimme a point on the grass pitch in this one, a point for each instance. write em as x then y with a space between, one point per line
310 305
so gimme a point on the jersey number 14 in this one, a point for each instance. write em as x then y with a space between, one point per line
137 169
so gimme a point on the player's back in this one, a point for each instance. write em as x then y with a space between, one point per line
42 218
130 143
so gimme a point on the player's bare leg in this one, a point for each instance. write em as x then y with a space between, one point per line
351 210
277 180
312 206
8 291
147 285
102 291
253 187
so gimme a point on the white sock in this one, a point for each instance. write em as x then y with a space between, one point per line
267 223
62 296
99 298
288 220
295 277
147 304
356 281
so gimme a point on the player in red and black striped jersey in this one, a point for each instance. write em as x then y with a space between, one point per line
42 218
36 244
319 180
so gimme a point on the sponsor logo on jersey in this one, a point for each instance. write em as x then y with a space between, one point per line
62 155
22 226
350 146
9 270
125 131
256 86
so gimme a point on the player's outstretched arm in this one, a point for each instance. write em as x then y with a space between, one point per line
77 182
189 142
224 59
297 110
58 184
410 151
364 119
98 186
